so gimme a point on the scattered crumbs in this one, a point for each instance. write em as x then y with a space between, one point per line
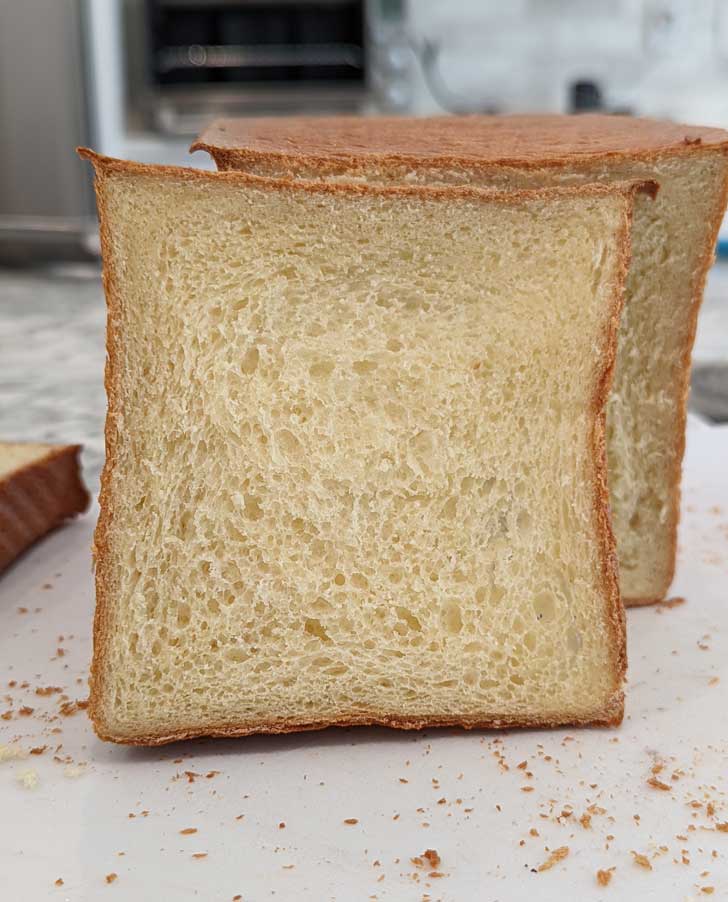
554 858
211 773
239 817
658 784
526 788
190 774
28 779
723 828
199 854
68 709
585 821
22 610
533 832
25 711
38 749
11 753
288 867
641 860
282 825
402 780
674 602
58 882
442 801
523 765
351 820
60 652
604 877
48 690
713 681
432 857
238 898
73 771
395 817
110 878
708 890
188 831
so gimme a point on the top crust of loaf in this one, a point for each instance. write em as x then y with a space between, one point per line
523 140
107 167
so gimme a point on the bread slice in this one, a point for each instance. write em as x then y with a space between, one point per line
40 487
673 243
355 455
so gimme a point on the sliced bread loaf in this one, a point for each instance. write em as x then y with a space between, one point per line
673 244
40 487
355 455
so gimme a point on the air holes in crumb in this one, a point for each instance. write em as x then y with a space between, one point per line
359 581
470 677
288 443
573 639
322 369
529 640
314 627
252 507
523 521
409 618
452 618
213 607
450 509
249 363
467 484
364 367
339 579
236 655
394 345
183 613
544 606
156 647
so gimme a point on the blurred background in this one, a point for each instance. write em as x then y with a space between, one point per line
139 78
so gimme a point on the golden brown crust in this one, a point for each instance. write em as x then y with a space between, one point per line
106 165
38 497
343 144
610 714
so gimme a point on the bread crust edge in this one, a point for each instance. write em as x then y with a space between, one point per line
63 461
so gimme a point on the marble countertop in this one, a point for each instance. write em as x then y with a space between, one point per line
52 338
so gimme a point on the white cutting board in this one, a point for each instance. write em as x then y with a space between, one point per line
77 821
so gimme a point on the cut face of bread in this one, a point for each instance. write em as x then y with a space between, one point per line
673 241
40 487
355 467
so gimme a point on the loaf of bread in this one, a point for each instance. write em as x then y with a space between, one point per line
673 246
40 487
355 455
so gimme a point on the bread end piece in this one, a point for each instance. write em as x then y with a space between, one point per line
40 488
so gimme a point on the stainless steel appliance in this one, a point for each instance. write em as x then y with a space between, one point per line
191 60
46 197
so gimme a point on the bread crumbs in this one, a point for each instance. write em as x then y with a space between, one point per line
554 858
188 831
351 820
604 877
28 779
58 882
199 855
658 784
641 860
110 878
708 890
